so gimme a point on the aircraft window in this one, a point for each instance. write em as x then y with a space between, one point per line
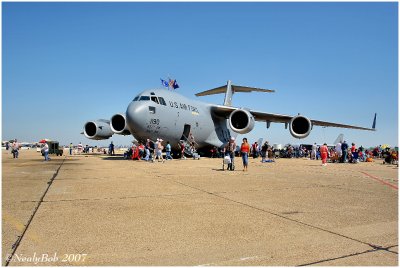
152 93
144 98
136 98
154 99
152 109
162 101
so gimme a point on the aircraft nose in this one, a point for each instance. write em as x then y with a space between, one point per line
136 116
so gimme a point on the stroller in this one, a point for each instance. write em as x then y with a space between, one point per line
227 160
195 155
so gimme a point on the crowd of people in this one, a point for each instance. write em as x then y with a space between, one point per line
340 153
152 151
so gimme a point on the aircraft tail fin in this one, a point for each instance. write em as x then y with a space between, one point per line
340 139
229 90
260 140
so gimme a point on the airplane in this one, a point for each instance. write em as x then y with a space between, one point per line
340 139
165 114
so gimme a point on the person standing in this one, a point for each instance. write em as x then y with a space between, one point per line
71 146
345 146
314 151
80 148
46 152
147 153
353 147
158 150
264 152
111 149
230 150
338 149
168 151
182 146
245 150
255 150
324 153
7 146
191 138
15 148
141 149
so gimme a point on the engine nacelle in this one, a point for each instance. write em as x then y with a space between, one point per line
118 124
241 121
98 130
300 126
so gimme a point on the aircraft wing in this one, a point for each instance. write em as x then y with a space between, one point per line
330 124
225 111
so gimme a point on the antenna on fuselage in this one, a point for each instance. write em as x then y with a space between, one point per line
229 90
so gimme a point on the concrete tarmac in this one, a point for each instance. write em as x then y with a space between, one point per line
100 210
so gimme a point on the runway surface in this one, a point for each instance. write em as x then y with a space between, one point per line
99 210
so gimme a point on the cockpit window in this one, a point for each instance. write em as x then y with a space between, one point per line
152 93
162 101
144 98
136 98
153 98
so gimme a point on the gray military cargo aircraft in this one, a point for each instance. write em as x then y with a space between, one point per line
165 114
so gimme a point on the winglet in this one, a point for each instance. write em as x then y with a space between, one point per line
374 123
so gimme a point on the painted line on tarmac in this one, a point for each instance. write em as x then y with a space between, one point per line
229 261
19 239
380 180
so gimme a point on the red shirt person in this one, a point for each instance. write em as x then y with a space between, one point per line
324 153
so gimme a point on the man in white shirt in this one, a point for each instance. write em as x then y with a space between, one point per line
15 148
314 151
46 152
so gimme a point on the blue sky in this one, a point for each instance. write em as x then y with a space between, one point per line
66 63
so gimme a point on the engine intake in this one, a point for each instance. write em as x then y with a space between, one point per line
300 127
98 130
118 124
241 121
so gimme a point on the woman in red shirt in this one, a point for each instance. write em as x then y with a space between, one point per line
324 153
245 151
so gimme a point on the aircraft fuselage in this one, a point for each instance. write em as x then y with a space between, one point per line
165 114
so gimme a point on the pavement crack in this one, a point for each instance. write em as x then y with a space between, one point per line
373 246
20 237
115 198
374 249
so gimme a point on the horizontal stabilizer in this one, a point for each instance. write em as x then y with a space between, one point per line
222 89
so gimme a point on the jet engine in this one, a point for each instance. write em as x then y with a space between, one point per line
300 126
241 121
118 124
98 129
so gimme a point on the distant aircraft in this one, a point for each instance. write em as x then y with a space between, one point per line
340 139
165 114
